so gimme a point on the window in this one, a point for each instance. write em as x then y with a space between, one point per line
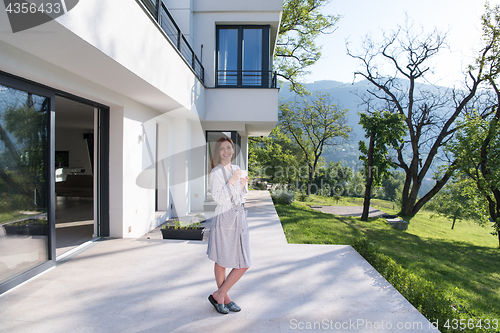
243 56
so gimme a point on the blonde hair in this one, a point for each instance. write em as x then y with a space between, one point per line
215 160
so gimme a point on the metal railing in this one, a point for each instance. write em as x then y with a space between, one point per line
246 79
161 14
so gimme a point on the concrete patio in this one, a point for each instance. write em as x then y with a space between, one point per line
141 285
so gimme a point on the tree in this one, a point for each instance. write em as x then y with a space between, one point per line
301 22
455 201
313 126
476 146
384 130
430 113
477 150
392 186
275 158
333 178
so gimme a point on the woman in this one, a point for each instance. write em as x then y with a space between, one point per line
228 243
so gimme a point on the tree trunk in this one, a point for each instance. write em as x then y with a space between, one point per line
498 234
369 179
453 225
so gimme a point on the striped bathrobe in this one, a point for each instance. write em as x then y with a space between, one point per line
228 242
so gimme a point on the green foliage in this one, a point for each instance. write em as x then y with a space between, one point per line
385 130
392 187
458 200
423 295
313 126
333 178
260 186
283 197
274 158
476 148
302 196
296 50
184 226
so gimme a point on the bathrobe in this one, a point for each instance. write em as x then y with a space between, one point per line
228 241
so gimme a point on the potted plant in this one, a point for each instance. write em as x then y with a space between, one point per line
191 231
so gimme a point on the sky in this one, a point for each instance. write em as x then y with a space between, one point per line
460 19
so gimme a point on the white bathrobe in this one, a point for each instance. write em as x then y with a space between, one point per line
228 242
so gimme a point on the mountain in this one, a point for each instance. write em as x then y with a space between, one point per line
342 94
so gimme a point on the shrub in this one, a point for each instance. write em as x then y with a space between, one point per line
283 197
302 196
423 295
260 186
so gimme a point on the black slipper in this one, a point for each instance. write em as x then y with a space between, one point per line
221 308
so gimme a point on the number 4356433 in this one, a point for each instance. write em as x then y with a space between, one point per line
464 324
32 8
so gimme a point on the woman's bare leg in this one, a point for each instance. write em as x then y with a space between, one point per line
221 294
220 277
220 274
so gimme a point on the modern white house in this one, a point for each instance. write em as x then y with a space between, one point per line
107 114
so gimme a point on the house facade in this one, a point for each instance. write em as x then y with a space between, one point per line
108 114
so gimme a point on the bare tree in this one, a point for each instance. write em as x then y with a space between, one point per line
430 112
313 126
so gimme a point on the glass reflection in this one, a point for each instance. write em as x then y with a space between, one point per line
228 57
252 57
23 199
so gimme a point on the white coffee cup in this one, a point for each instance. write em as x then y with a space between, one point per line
244 173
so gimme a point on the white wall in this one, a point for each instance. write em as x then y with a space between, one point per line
115 44
183 17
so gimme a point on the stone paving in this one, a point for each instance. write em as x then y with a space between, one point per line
148 285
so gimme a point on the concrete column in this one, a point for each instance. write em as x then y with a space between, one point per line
116 172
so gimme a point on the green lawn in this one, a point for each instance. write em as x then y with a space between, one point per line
465 261
10 216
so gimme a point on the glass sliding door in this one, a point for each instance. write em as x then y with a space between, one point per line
24 169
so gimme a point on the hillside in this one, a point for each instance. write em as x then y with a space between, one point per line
343 94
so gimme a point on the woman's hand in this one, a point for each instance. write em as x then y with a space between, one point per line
236 176
244 180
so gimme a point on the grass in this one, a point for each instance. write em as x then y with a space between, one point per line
11 216
464 262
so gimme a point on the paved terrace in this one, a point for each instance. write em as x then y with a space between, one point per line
140 285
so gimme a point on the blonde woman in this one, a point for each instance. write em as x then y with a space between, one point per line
228 243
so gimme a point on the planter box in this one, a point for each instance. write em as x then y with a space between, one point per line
187 234
15 230
38 229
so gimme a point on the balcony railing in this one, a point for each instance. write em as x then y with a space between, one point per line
245 79
161 14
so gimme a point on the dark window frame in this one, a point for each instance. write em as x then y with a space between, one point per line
266 72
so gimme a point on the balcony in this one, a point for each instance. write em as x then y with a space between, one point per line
245 79
161 15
